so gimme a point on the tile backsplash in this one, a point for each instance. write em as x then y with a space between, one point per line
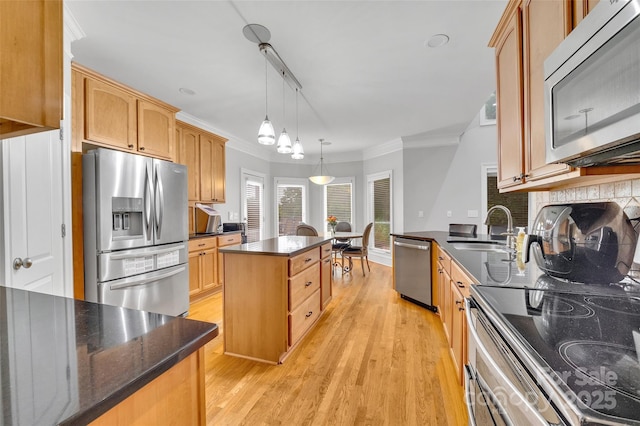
626 193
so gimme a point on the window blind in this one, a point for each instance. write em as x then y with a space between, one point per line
253 198
381 194
338 202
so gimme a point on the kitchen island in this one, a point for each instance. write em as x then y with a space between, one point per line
274 292
68 362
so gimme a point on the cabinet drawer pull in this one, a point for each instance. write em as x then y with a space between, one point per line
308 259
130 146
309 314
308 283
460 284
201 245
141 148
458 302
440 258
461 308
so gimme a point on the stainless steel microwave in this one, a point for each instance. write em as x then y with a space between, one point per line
592 89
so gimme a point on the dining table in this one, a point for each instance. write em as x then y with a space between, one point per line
342 235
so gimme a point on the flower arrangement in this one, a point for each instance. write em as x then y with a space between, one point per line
332 220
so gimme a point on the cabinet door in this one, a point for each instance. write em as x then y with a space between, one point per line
458 332
326 291
206 167
208 262
110 116
442 287
219 171
447 311
194 273
155 130
509 100
31 67
545 24
190 141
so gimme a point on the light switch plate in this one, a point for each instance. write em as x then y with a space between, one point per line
449 214
420 213
472 213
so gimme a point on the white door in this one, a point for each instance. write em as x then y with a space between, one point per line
32 213
253 206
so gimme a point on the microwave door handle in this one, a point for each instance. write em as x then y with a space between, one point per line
147 201
129 282
159 203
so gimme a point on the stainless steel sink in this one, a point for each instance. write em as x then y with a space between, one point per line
480 245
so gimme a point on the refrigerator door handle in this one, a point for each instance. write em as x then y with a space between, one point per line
147 201
159 203
136 254
131 282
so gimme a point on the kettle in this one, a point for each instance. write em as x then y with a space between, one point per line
586 242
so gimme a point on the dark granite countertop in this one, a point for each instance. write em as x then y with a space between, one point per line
212 234
66 361
279 246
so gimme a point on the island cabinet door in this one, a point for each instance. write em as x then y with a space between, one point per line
303 285
326 291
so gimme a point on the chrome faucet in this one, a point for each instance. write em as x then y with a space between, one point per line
511 241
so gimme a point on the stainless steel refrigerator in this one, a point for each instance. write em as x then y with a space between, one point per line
135 232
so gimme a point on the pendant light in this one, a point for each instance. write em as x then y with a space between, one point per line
266 134
321 179
284 142
298 152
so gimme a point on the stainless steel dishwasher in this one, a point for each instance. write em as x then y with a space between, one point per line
412 270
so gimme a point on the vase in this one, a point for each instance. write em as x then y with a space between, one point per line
333 229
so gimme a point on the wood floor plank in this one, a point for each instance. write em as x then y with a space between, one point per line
372 359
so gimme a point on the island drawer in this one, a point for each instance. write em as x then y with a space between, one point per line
202 244
229 240
303 261
303 285
303 317
325 250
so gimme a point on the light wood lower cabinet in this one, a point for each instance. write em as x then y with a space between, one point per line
271 302
175 397
223 241
203 276
453 287
326 287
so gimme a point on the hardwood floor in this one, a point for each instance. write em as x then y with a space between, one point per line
372 359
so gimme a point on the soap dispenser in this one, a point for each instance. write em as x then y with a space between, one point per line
520 239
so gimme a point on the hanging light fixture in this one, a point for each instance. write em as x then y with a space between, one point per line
322 179
266 134
284 142
298 152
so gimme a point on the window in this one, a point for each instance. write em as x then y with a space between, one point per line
253 205
379 210
338 201
291 204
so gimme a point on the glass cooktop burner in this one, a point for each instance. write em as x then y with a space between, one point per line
630 306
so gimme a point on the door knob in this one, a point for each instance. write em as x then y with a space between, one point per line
19 263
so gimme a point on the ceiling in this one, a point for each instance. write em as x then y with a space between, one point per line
367 76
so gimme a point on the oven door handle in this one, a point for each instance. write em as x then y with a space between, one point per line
467 394
495 369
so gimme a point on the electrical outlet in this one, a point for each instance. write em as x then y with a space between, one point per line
472 213
449 214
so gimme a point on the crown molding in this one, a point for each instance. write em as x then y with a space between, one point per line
432 142
382 149
72 29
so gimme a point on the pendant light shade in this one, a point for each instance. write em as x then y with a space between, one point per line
266 134
322 178
298 152
284 143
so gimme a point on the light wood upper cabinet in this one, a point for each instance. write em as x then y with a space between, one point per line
204 155
107 113
544 24
110 115
508 44
155 130
31 66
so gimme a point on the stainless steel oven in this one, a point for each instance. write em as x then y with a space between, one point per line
592 89
499 391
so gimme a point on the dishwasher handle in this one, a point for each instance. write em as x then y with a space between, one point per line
411 246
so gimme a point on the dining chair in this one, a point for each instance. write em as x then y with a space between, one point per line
359 251
340 244
306 230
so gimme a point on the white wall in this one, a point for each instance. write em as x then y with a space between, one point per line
447 178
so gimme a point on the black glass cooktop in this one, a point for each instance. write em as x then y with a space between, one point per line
588 342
